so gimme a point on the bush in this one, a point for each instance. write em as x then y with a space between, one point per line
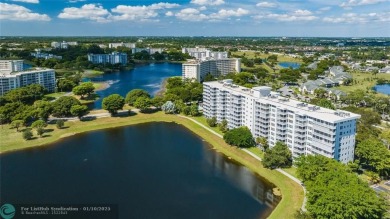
40 131
241 137
223 126
187 110
60 123
212 122
27 134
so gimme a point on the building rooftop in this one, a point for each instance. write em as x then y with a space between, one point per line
30 70
289 104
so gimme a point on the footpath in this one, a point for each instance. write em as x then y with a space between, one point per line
303 208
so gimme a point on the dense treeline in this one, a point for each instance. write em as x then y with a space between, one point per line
334 191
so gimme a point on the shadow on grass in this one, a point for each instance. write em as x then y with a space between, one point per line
88 118
45 136
149 111
49 130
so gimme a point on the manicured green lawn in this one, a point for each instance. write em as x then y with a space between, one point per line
292 193
253 54
365 81
56 95
292 171
202 120
257 151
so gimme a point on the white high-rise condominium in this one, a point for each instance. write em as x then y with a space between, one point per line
197 69
203 53
8 66
305 128
16 79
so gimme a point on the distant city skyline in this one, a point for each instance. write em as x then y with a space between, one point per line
294 18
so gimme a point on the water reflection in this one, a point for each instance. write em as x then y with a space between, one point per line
243 179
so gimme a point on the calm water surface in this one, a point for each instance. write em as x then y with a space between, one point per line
148 77
382 88
293 65
154 170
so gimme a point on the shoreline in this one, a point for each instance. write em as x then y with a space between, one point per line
292 193
163 87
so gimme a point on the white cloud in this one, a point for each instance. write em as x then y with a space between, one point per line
96 12
298 15
140 12
27 1
203 8
352 3
169 14
208 2
20 13
266 4
223 13
88 11
192 14
353 18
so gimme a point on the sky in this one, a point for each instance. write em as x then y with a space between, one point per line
262 18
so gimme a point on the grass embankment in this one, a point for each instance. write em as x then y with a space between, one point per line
292 193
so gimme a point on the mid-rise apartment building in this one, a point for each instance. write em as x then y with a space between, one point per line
203 53
150 51
8 66
304 128
198 69
113 58
116 45
63 44
44 77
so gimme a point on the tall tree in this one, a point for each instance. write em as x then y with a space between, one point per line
142 103
62 106
240 137
134 94
113 103
79 110
278 156
374 155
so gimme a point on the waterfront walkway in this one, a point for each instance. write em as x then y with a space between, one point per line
303 208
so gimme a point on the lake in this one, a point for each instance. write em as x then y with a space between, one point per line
148 77
293 65
152 170
382 88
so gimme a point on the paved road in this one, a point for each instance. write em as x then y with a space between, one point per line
303 208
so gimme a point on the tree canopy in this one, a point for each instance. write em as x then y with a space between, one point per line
277 156
335 192
113 103
134 94
240 137
373 155
84 89
62 106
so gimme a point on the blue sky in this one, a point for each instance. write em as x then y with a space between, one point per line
330 18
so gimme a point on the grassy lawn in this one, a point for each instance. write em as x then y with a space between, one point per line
292 171
257 151
292 193
202 120
253 54
92 72
365 81
56 95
